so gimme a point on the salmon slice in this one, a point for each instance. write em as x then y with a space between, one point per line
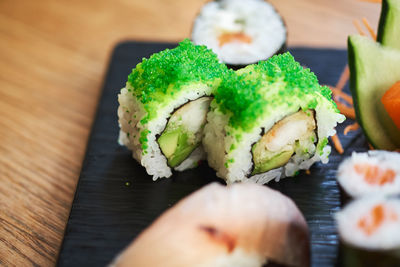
231 37
376 217
374 175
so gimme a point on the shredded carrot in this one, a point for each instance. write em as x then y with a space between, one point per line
358 27
337 144
351 127
370 147
369 28
344 77
337 94
345 110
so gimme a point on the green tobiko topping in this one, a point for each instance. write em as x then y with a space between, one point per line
259 89
160 78
165 72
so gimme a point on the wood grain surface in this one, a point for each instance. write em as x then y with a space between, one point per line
52 58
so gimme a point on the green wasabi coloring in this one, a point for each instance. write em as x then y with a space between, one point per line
143 139
232 147
164 73
259 89
228 162
321 146
159 79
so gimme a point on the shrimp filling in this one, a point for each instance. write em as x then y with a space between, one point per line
288 136
184 130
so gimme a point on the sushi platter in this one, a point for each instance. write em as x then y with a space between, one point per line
116 199
224 105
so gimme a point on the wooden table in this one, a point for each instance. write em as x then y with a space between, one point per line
52 60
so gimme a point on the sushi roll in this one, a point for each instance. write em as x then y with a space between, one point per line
218 226
268 121
240 32
163 107
375 171
369 230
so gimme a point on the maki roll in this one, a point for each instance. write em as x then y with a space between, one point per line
163 107
240 32
268 121
369 230
375 171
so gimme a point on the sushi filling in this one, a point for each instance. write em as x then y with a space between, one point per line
292 135
375 175
372 172
240 32
371 222
379 214
230 37
184 131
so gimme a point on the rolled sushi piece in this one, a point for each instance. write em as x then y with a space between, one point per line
372 172
268 121
163 107
369 230
240 32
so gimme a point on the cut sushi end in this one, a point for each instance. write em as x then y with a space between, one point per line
240 32
184 130
371 223
276 147
372 172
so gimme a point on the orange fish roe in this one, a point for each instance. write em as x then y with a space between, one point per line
232 37
375 175
376 217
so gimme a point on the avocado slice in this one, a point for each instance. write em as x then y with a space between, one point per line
275 160
184 130
373 70
389 24
175 146
168 142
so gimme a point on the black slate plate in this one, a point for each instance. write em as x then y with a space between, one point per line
115 198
